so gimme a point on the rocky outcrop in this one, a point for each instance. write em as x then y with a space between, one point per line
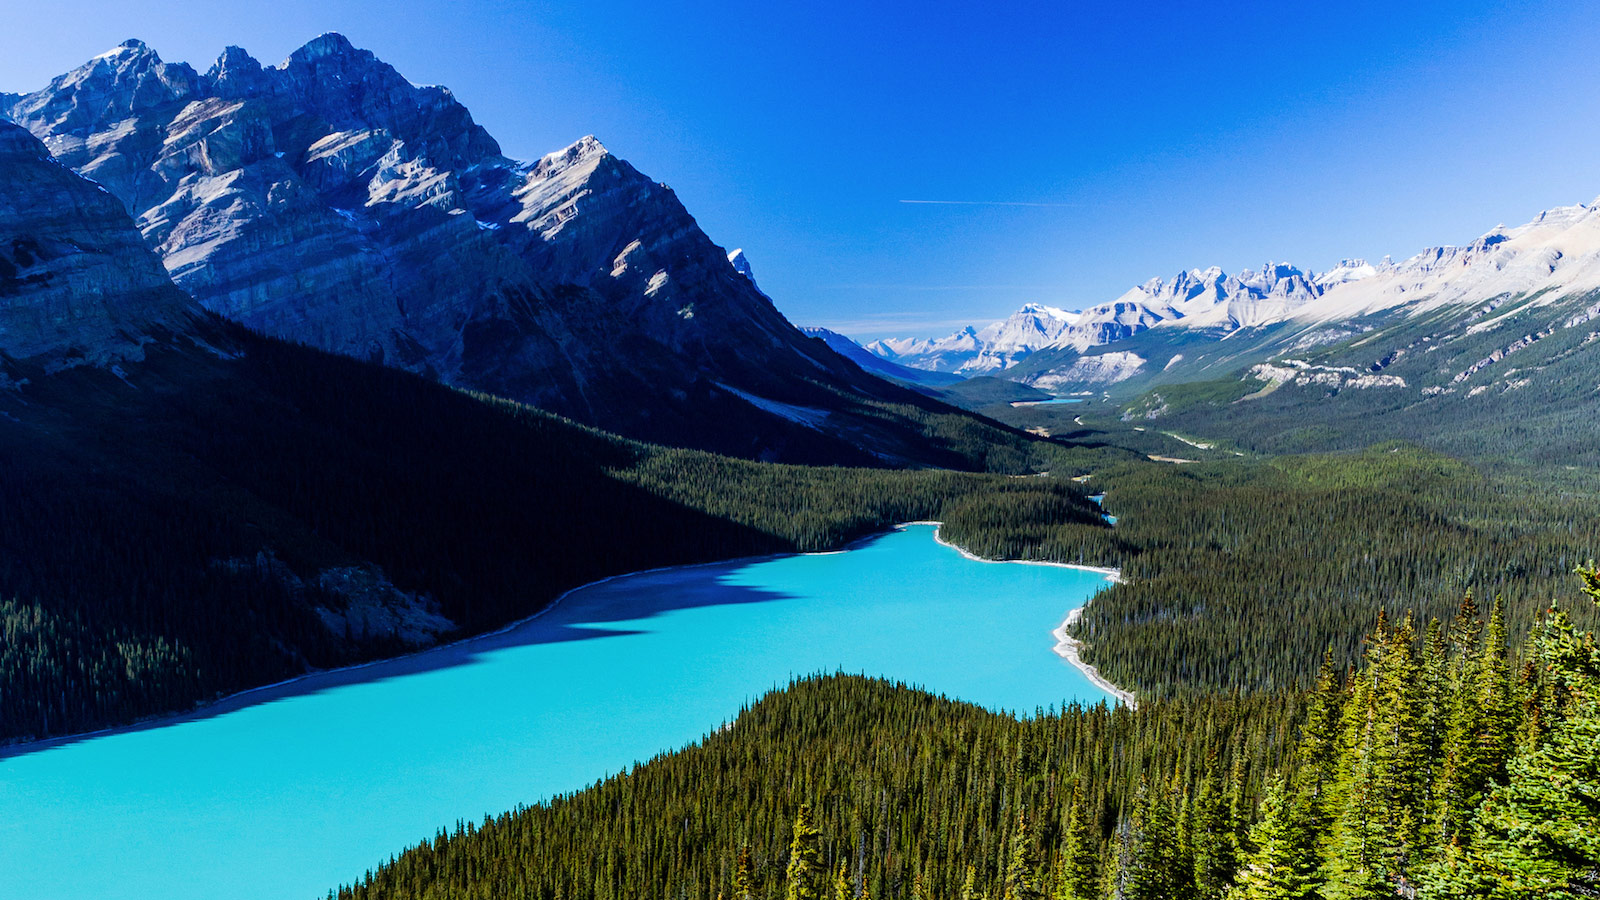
77 285
329 201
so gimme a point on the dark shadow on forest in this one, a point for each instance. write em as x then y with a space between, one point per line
581 615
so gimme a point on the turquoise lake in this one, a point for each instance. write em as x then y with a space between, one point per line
326 777
1053 401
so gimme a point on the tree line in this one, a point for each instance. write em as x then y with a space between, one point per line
163 537
1444 765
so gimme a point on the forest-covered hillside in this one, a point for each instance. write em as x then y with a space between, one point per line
208 521
1447 765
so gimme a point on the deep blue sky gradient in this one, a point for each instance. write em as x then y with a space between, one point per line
1154 137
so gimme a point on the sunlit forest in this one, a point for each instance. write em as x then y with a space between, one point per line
1448 763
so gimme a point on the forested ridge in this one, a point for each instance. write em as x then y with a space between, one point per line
1444 766
1240 573
168 541
206 524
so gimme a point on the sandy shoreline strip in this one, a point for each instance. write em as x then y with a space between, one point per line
1067 647
1070 648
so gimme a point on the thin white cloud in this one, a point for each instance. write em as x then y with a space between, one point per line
893 325
1030 288
989 203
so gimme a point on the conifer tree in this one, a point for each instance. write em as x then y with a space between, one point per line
969 885
1215 850
1280 864
1155 869
1077 876
743 885
1022 865
803 879
1352 866
1496 700
1317 755
1399 757
1482 724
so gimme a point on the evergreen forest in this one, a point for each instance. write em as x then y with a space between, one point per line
1447 764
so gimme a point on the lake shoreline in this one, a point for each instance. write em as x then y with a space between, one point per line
1070 649
416 661
1067 647
338 675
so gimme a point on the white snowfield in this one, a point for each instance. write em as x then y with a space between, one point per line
1557 255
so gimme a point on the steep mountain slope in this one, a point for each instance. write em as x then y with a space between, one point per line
189 508
329 201
876 364
76 284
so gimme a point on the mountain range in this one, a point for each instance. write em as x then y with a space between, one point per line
189 507
329 201
1344 327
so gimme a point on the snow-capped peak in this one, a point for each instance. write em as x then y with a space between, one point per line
128 47
741 264
1348 270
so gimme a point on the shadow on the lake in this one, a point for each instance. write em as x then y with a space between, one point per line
580 615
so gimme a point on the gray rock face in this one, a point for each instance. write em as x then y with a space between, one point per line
77 285
328 200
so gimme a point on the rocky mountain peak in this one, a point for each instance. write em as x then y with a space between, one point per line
331 201
584 150
124 81
741 264
578 175
329 43
77 283
235 74
352 89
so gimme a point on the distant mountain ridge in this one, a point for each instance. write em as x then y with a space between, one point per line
972 351
859 355
1552 261
328 200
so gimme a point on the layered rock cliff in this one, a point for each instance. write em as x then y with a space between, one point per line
328 200
77 285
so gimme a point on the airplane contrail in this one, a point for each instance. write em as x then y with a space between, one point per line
987 203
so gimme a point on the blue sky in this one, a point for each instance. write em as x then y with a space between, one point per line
1146 138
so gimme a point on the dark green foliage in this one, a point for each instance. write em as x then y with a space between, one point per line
928 798
1537 831
185 533
1242 574
1280 863
1021 881
1216 852
1078 868
902 786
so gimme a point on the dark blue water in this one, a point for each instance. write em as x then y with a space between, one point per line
289 797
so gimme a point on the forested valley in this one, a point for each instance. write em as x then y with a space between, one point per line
270 494
209 522
215 527
1446 764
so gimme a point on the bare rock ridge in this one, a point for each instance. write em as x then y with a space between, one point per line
329 201
77 285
